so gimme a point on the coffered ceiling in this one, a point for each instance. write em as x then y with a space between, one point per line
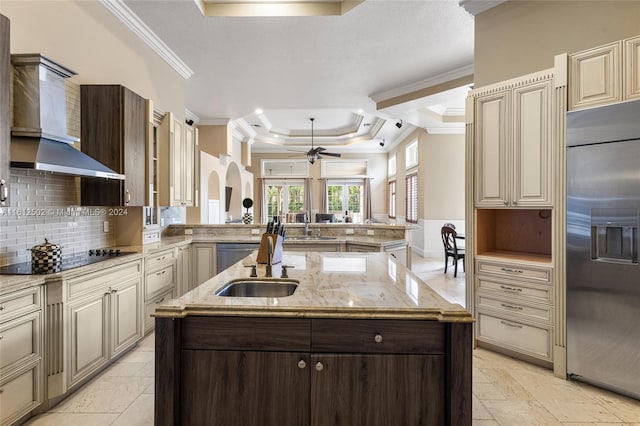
358 72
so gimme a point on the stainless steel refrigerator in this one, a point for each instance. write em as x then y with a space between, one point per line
603 275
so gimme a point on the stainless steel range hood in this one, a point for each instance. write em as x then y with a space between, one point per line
39 137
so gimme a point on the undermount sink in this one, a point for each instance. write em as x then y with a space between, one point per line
258 287
310 238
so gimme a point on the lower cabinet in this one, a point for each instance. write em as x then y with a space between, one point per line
160 280
21 351
205 262
185 270
320 372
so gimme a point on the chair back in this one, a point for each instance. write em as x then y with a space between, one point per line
449 239
301 218
450 225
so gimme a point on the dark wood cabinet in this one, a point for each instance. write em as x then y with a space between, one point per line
296 371
5 135
113 129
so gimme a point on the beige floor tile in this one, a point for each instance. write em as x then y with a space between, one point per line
486 391
107 394
72 419
592 424
150 390
475 422
520 413
126 369
479 377
139 354
627 409
580 412
140 413
479 412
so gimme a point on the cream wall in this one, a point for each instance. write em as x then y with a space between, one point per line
85 37
521 37
377 171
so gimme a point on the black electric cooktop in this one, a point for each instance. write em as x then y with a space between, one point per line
67 262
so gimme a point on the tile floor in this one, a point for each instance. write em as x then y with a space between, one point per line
505 391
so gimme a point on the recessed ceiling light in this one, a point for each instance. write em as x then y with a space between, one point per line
258 111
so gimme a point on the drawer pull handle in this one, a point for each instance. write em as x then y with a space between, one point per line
108 292
504 305
302 364
504 287
160 301
114 291
319 366
378 338
510 324
513 271
160 273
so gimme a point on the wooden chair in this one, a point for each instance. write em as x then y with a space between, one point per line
451 249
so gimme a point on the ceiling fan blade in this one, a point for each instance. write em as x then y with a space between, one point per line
318 149
332 154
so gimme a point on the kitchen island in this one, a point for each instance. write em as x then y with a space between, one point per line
362 340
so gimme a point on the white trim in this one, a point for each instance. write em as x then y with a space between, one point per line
119 9
453 130
476 7
188 115
422 84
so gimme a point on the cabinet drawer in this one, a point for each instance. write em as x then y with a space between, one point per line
20 340
149 237
515 335
531 312
89 283
510 289
20 302
534 273
159 281
150 308
157 259
377 336
20 394
237 333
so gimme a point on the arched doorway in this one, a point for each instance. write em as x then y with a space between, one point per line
214 206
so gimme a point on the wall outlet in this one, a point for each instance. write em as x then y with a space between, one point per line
105 226
255 232
188 232
370 232
349 231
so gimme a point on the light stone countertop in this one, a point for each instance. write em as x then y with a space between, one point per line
331 284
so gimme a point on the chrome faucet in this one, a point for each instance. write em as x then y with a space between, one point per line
307 230
269 272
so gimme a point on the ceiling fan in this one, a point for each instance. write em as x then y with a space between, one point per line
314 153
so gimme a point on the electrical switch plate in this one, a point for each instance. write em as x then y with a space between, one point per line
188 232
370 232
349 231
255 232
105 226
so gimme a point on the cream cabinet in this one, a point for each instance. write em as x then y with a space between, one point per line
204 262
160 282
605 74
185 270
513 133
104 313
514 306
176 162
21 353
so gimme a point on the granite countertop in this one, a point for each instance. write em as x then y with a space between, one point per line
336 284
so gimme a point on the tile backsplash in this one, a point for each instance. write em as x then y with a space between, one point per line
46 205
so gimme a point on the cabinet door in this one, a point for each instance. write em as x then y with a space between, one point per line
532 174
5 69
595 77
492 166
632 68
134 146
188 166
205 263
88 336
184 270
126 315
21 392
377 390
177 169
245 388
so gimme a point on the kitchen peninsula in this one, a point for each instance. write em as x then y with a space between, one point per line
361 340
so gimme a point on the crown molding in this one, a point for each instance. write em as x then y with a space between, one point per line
476 7
452 130
214 122
120 10
188 115
422 84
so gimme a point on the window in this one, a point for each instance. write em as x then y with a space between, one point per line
392 199
343 196
392 166
344 168
285 168
412 198
411 154
284 197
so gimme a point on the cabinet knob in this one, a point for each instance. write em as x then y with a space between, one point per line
378 338
2 307
302 364
1 390
1 337
319 366
506 203
108 292
128 199
4 192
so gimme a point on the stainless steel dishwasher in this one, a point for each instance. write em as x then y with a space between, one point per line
230 253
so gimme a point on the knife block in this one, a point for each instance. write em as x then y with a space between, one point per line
277 249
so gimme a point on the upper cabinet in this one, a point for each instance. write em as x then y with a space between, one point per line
513 143
605 74
5 136
114 131
176 162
